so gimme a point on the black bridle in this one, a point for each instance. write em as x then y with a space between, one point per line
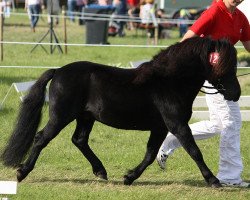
219 87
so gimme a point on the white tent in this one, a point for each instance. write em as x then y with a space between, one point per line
245 8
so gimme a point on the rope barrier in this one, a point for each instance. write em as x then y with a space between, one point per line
87 45
93 45
103 17
29 67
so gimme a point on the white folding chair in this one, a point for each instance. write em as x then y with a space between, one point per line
21 88
135 64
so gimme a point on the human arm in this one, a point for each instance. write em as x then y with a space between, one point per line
203 25
245 33
189 34
246 44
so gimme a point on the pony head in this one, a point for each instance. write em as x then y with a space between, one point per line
222 60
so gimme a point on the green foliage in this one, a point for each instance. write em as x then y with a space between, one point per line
244 56
62 172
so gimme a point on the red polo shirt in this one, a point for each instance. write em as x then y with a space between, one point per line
218 23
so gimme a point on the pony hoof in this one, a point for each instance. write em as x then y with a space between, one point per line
101 175
127 180
216 185
20 175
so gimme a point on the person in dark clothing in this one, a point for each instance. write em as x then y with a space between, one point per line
120 10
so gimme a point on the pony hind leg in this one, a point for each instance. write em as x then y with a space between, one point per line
41 140
155 140
186 139
80 140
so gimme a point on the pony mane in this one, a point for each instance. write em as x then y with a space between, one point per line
185 58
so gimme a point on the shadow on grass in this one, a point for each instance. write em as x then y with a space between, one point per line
191 183
4 110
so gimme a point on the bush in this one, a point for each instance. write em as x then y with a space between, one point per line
244 59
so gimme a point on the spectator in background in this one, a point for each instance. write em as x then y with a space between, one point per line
98 3
133 12
147 15
160 14
53 8
146 9
120 10
91 2
71 9
5 5
103 2
132 3
80 5
182 22
34 8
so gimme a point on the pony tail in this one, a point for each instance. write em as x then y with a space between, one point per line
28 121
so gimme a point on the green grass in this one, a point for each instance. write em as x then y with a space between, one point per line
62 172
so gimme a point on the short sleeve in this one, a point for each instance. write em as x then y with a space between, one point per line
245 35
204 23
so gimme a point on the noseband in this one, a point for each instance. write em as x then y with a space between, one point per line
219 87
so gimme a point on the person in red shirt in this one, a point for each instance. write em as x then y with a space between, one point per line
221 20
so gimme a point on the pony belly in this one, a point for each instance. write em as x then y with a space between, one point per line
128 125
125 120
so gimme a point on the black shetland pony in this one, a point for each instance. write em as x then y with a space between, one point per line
157 96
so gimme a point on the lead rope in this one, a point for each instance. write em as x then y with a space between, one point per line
219 86
243 74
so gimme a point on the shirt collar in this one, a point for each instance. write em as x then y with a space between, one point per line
221 4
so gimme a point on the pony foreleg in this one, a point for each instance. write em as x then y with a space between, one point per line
184 135
80 139
155 140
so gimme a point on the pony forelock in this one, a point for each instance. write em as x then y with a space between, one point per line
227 59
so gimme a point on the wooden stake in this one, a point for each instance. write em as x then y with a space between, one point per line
65 29
1 32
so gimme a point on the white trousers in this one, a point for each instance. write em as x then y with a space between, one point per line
225 119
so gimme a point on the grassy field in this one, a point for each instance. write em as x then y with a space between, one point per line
61 171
